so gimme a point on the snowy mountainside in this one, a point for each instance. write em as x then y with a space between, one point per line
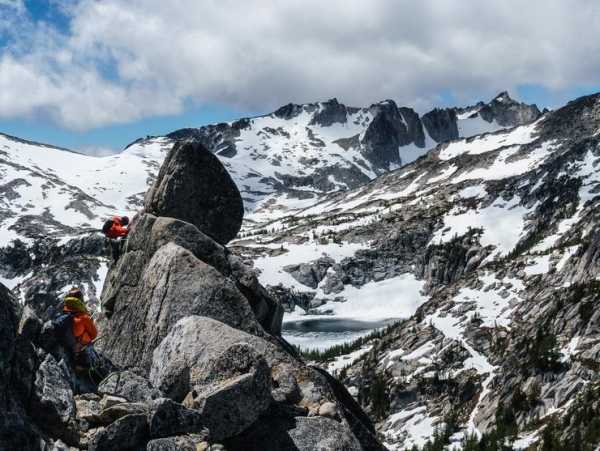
287 159
281 162
52 191
53 203
488 248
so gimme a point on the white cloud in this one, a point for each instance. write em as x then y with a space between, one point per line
98 151
122 60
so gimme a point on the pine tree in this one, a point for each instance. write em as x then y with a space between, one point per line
379 397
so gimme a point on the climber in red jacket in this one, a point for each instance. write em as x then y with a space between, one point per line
116 230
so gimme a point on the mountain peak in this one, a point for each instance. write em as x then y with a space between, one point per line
502 97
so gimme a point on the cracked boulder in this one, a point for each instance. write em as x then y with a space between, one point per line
129 385
200 351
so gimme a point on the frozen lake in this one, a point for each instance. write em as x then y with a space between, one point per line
325 332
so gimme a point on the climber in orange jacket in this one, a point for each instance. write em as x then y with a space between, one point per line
82 326
116 230
116 227
76 330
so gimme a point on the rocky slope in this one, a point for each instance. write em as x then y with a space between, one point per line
487 247
196 357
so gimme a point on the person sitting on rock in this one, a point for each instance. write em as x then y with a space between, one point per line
116 230
78 329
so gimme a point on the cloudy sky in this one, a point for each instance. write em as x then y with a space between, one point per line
95 75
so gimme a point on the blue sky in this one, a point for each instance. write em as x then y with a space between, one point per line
108 139
95 75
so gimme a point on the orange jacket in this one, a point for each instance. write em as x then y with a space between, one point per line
84 329
117 230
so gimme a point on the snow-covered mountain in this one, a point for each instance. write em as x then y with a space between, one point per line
487 249
282 161
289 158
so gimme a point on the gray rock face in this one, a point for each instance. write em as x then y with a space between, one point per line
239 393
15 429
200 351
384 135
168 418
290 298
286 386
333 284
441 124
312 273
508 112
414 126
321 179
288 111
190 442
331 112
322 433
186 235
151 288
300 433
53 399
30 326
219 138
193 186
130 386
129 432
8 334
178 284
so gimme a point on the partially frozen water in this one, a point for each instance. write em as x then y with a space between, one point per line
323 333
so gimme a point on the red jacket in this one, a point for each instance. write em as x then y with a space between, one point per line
117 230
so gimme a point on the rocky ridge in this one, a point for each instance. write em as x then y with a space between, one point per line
193 346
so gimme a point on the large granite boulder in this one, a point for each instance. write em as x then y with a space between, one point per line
193 186
201 351
169 270
238 394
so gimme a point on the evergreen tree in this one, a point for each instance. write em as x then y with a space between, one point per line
379 396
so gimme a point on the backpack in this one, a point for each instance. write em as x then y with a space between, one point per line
63 329
107 226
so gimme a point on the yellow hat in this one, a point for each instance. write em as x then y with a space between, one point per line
75 304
